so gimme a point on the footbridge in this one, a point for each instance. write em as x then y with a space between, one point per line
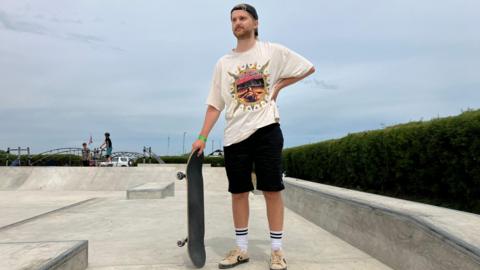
96 153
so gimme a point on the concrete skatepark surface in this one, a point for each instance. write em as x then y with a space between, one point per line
142 234
54 206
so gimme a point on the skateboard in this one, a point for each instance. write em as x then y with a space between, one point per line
195 210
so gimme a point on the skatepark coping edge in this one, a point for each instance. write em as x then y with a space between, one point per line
401 237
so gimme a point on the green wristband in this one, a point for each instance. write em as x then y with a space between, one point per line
202 138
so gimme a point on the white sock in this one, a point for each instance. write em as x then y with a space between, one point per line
276 238
241 235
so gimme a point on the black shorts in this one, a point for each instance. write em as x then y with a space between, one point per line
263 149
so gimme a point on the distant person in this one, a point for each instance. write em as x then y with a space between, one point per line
246 83
85 155
96 156
107 144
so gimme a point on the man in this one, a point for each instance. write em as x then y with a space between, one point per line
108 145
246 82
85 155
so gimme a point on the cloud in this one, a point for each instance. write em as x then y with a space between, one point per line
12 24
68 21
321 84
84 38
20 26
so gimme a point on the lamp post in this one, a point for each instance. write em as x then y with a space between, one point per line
168 145
184 133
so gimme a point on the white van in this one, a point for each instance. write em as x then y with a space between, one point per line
122 162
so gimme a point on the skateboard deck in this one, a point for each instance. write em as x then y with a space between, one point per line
195 210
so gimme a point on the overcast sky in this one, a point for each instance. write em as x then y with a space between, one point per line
141 69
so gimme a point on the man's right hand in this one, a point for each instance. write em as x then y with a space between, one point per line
198 144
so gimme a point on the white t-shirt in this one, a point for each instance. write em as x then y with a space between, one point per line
242 84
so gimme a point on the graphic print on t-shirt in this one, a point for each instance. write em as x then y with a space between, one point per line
250 86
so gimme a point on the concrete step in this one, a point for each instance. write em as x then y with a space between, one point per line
153 190
58 255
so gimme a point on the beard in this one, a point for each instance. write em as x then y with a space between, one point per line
244 34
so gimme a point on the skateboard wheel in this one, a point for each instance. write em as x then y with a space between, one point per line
180 175
181 243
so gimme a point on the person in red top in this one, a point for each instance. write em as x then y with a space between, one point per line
85 155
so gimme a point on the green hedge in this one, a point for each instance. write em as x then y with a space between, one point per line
175 159
436 162
214 161
73 160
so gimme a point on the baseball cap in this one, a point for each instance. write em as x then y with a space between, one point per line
248 8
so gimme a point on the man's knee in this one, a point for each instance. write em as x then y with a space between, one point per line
272 195
240 196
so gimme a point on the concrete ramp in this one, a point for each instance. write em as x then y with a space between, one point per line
81 178
403 234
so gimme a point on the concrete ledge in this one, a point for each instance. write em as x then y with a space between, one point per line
47 213
81 178
401 234
152 190
65 255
